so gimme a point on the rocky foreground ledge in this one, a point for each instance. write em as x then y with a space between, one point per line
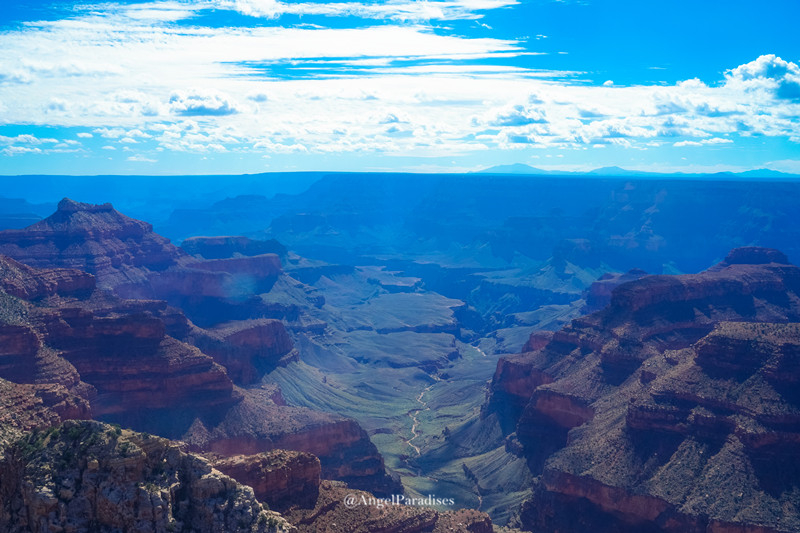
89 476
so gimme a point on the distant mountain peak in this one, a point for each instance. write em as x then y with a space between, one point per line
514 168
612 171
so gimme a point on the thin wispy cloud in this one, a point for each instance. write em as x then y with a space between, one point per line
416 11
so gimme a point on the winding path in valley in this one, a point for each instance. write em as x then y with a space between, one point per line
414 413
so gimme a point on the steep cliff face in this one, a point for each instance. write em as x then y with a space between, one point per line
598 295
128 358
280 478
257 424
84 476
24 282
248 348
672 409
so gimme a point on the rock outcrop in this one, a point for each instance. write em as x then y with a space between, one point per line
280 478
88 476
673 409
257 424
598 295
248 349
24 282
27 407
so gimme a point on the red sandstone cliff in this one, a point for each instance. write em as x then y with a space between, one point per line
281 478
672 409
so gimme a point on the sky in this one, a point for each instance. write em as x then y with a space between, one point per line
248 86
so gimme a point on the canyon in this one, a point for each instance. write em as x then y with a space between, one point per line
512 354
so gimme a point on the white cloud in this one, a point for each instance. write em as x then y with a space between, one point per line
131 75
85 135
713 140
19 150
25 138
770 73
141 159
199 102
397 10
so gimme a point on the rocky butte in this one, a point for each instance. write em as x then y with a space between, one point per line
673 409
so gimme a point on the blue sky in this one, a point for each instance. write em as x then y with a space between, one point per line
240 86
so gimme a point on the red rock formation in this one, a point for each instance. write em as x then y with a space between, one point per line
673 409
248 348
281 478
93 238
24 282
138 373
128 258
537 340
256 424
598 295
27 407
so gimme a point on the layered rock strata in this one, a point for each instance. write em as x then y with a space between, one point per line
119 358
672 409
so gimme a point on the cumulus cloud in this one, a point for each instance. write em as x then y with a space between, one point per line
201 102
518 115
768 72
26 138
121 133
